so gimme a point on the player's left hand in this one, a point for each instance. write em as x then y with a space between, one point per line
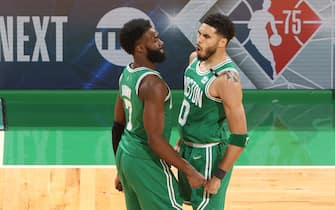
213 185
117 184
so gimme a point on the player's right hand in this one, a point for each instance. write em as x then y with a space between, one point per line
196 179
117 184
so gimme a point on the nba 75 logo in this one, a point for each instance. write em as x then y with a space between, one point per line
273 32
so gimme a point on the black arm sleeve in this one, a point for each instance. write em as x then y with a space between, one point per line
117 132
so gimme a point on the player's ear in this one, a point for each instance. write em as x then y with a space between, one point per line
140 48
222 42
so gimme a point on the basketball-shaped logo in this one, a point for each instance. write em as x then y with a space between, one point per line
275 40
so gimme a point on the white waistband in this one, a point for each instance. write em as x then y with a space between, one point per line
197 145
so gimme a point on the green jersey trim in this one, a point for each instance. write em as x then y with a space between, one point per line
207 91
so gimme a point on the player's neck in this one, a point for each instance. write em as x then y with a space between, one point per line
213 61
142 63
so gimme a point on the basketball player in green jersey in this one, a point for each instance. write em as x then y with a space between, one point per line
142 114
212 94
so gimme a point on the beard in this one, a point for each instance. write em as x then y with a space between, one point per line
208 53
155 56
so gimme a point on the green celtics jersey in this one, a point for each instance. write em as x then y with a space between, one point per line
201 117
133 106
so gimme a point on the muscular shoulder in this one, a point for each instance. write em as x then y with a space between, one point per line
193 55
226 83
152 87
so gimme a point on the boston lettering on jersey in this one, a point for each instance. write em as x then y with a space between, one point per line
193 92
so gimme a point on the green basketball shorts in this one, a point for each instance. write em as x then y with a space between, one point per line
147 183
204 158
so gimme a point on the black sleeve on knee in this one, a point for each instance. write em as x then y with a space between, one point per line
117 132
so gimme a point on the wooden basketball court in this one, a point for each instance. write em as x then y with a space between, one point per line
88 188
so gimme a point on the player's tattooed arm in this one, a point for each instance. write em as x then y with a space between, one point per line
232 76
228 88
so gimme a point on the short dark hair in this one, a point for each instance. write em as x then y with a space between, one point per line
131 32
223 25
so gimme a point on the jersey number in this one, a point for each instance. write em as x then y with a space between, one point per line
184 111
129 108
